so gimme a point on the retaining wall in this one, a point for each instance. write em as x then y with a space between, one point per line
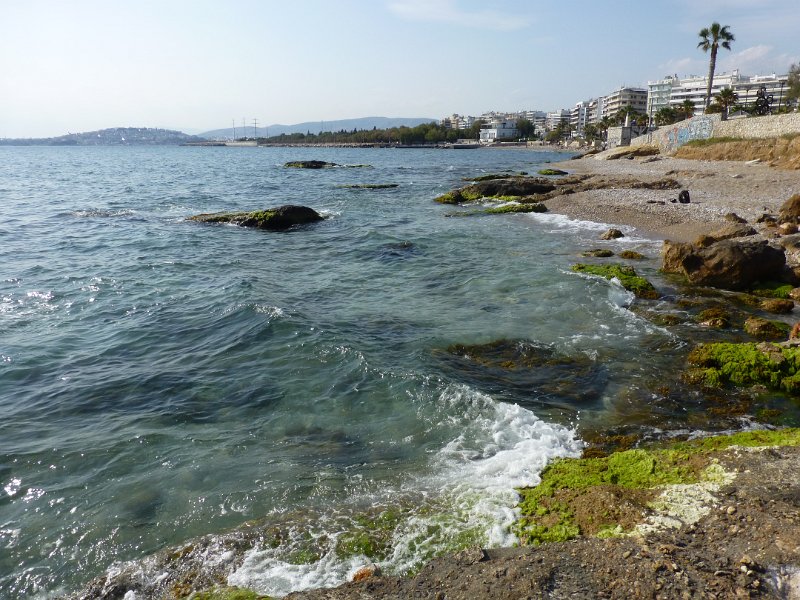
671 137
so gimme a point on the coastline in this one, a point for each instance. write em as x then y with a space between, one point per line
716 188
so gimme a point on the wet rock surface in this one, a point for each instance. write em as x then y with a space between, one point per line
747 546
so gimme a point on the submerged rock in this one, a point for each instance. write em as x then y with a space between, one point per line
274 219
526 373
310 164
625 274
612 234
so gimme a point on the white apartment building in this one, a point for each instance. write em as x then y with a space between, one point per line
555 118
456 121
624 96
694 89
659 94
499 130
579 117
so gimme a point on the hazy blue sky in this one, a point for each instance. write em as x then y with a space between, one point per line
194 65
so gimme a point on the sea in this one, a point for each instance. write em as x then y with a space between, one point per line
163 380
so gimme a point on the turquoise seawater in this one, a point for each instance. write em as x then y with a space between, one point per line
162 379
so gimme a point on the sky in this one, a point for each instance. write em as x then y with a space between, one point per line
196 65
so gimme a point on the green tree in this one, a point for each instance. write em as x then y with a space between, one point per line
711 38
628 111
726 98
793 93
687 109
667 115
526 128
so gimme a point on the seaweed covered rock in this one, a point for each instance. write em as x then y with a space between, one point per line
776 366
310 164
727 264
625 274
273 219
510 187
525 373
632 490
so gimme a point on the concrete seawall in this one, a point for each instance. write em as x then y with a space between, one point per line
671 137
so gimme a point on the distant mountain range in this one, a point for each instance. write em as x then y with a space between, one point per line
315 127
146 136
116 136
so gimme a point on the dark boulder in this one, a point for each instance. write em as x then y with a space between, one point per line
310 164
683 197
274 219
727 264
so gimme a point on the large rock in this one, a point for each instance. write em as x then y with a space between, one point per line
727 264
790 210
274 219
498 188
726 232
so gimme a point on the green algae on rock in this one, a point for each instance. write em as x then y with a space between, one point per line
628 491
626 275
274 219
632 255
552 172
537 207
775 366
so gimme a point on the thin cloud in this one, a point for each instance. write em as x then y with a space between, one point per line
757 60
448 11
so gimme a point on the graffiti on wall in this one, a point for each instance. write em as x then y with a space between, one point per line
697 128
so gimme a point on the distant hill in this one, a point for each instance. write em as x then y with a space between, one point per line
316 127
116 136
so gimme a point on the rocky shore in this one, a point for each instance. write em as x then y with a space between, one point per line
716 188
721 520
744 540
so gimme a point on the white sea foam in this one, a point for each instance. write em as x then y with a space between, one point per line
498 448
264 570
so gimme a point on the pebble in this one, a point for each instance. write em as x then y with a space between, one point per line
731 510
626 554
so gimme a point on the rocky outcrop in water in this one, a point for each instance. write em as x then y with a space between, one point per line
309 164
273 219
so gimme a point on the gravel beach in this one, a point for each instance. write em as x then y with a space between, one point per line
716 188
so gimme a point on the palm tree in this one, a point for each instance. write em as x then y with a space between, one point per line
726 98
711 38
687 108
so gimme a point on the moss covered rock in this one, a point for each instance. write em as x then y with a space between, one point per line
780 306
552 172
516 208
765 329
509 188
612 495
631 255
775 366
625 274
282 217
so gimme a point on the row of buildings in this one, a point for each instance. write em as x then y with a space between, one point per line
671 91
